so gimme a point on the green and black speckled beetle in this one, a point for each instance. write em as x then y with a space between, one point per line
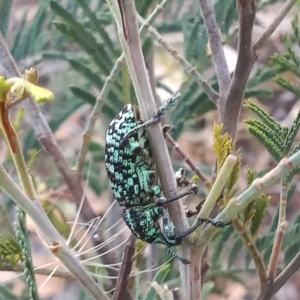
134 182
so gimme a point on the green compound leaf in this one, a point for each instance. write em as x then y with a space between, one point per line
265 242
222 144
194 102
290 137
295 25
264 116
251 175
261 205
5 9
288 178
295 149
10 250
272 148
286 84
262 74
76 30
84 95
95 21
28 40
248 212
267 131
81 66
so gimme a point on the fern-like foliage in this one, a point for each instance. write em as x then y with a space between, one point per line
5 7
255 211
223 146
290 60
10 250
277 139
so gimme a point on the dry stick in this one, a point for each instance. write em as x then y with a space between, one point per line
46 138
213 33
211 93
105 90
124 274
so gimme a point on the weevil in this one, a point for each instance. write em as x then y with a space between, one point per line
132 175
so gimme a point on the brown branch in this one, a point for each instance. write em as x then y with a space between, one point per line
229 109
216 46
281 279
275 252
253 252
122 291
286 274
282 224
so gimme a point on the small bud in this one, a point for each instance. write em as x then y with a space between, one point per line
31 75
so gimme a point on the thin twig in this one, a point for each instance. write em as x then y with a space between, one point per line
282 224
275 252
285 275
187 159
122 291
252 250
214 36
275 23
211 93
